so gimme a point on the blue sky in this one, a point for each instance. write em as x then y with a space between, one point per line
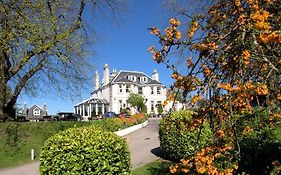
122 45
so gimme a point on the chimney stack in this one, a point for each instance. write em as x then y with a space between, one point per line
44 109
96 81
106 74
155 75
24 109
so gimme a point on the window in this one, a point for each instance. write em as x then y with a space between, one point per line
120 105
36 111
120 88
152 106
152 92
158 103
158 90
127 88
143 79
139 90
131 78
99 109
86 111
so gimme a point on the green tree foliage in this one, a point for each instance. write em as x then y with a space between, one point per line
43 43
178 136
136 100
160 108
87 150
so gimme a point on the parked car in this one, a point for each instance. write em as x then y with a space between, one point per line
109 114
72 117
124 114
95 117
47 118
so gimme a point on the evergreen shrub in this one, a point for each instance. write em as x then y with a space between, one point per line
178 139
86 150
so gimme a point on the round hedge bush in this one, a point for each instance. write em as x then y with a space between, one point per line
86 150
177 140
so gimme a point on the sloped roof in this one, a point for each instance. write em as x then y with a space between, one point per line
121 77
93 101
154 82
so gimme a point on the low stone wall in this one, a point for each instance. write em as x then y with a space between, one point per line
131 129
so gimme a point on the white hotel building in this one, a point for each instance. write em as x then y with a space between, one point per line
112 94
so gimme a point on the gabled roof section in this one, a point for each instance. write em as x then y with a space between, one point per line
34 107
122 77
93 100
154 82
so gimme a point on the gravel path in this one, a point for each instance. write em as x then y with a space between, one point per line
143 145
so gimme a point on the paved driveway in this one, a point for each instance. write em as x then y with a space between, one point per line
143 145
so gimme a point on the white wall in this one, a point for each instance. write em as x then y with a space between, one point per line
117 96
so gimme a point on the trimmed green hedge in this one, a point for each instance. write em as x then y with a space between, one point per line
176 140
87 150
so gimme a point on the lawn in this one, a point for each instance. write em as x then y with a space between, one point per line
17 139
158 167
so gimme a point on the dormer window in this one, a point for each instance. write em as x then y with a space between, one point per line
143 79
132 78
36 111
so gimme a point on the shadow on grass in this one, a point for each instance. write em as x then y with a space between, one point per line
158 167
161 168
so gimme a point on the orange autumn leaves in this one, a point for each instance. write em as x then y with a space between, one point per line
246 57
249 87
204 162
241 96
237 60
192 29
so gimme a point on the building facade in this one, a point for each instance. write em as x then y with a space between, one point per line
34 113
112 94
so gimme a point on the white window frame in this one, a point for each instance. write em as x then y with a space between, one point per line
36 111
152 107
140 91
152 90
132 78
158 91
128 88
120 88
143 79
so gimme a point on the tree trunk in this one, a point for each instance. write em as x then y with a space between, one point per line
3 92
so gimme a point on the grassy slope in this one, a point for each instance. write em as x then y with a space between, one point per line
157 167
17 139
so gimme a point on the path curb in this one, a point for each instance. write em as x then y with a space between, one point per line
131 129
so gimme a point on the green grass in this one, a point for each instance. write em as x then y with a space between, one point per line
17 139
158 167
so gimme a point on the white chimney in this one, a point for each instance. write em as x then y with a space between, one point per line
44 109
155 75
106 74
96 81
24 109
